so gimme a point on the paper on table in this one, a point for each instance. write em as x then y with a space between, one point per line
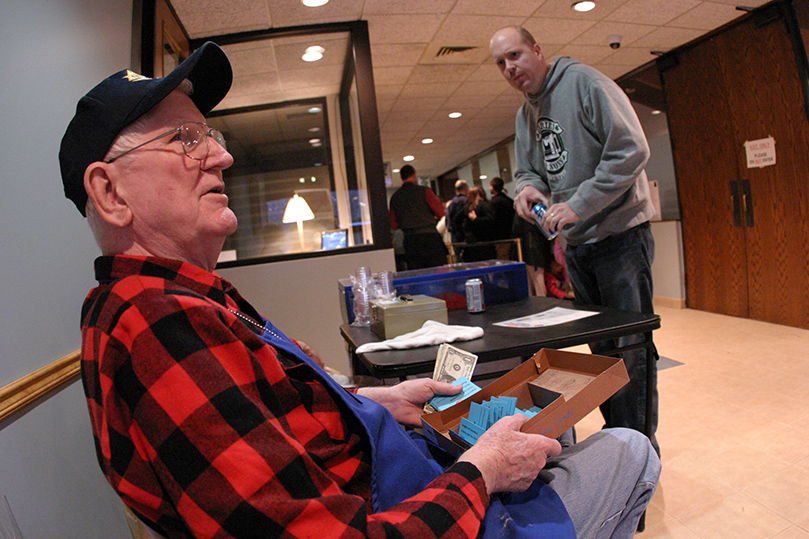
551 317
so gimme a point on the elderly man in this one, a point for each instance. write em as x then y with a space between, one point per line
209 422
581 150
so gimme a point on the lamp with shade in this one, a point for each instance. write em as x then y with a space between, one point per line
298 211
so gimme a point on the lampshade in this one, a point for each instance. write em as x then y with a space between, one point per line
297 210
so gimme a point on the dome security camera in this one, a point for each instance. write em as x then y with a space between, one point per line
615 42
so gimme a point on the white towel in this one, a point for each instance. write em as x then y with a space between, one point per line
431 333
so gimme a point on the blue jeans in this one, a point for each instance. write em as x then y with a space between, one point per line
617 272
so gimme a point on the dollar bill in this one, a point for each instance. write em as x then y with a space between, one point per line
450 364
453 363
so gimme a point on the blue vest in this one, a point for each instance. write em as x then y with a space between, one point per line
402 467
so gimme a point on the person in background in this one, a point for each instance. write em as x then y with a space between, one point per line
536 253
210 422
456 210
478 227
581 151
556 282
416 210
503 216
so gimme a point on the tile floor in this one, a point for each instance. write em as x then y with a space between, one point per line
734 429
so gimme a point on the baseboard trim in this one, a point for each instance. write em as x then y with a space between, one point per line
673 303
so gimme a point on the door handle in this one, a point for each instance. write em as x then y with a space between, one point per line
747 202
736 202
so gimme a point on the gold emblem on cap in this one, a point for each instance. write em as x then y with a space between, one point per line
131 76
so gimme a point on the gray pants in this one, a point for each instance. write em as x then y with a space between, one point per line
605 482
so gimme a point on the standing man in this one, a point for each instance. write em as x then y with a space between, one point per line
581 150
416 210
503 209
458 207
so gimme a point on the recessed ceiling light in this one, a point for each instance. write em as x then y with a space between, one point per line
314 3
314 129
408 158
583 6
395 170
657 112
483 177
314 141
427 141
315 110
302 180
313 53
455 115
314 179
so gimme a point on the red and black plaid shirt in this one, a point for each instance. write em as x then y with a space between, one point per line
207 431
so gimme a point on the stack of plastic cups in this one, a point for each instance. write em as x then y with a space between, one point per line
386 290
362 296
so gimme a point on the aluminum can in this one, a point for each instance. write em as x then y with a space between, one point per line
539 212
474 296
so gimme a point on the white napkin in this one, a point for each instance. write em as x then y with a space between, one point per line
431 333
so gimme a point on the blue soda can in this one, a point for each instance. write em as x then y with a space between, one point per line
539 212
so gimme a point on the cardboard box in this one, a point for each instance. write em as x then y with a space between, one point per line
567 385
390 319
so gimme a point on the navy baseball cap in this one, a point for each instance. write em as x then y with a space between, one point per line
124 97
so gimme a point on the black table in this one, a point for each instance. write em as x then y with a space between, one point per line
502 342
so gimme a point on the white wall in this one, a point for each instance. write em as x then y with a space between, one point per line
301 297
53 52
668 269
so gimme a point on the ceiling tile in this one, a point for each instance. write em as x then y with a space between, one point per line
487 72
426 74
707 15
421 103
293 13
472 29
386 76
409 7
398 54
556 30
390 28
665 38
433 90
630 56
589 54
651 11
561 9
217 17
599 33
508 8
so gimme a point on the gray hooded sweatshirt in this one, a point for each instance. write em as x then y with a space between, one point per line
579 141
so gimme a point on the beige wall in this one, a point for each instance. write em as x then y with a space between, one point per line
301 297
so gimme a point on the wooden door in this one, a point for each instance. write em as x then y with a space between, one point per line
752 257
705 166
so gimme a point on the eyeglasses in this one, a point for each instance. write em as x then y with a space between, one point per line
192 135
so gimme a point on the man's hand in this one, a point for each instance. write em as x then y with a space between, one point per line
406 399
527 199
508 459
558 216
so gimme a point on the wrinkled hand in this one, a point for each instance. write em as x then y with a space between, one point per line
558 216
309 351
508 459
527 199
406 399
